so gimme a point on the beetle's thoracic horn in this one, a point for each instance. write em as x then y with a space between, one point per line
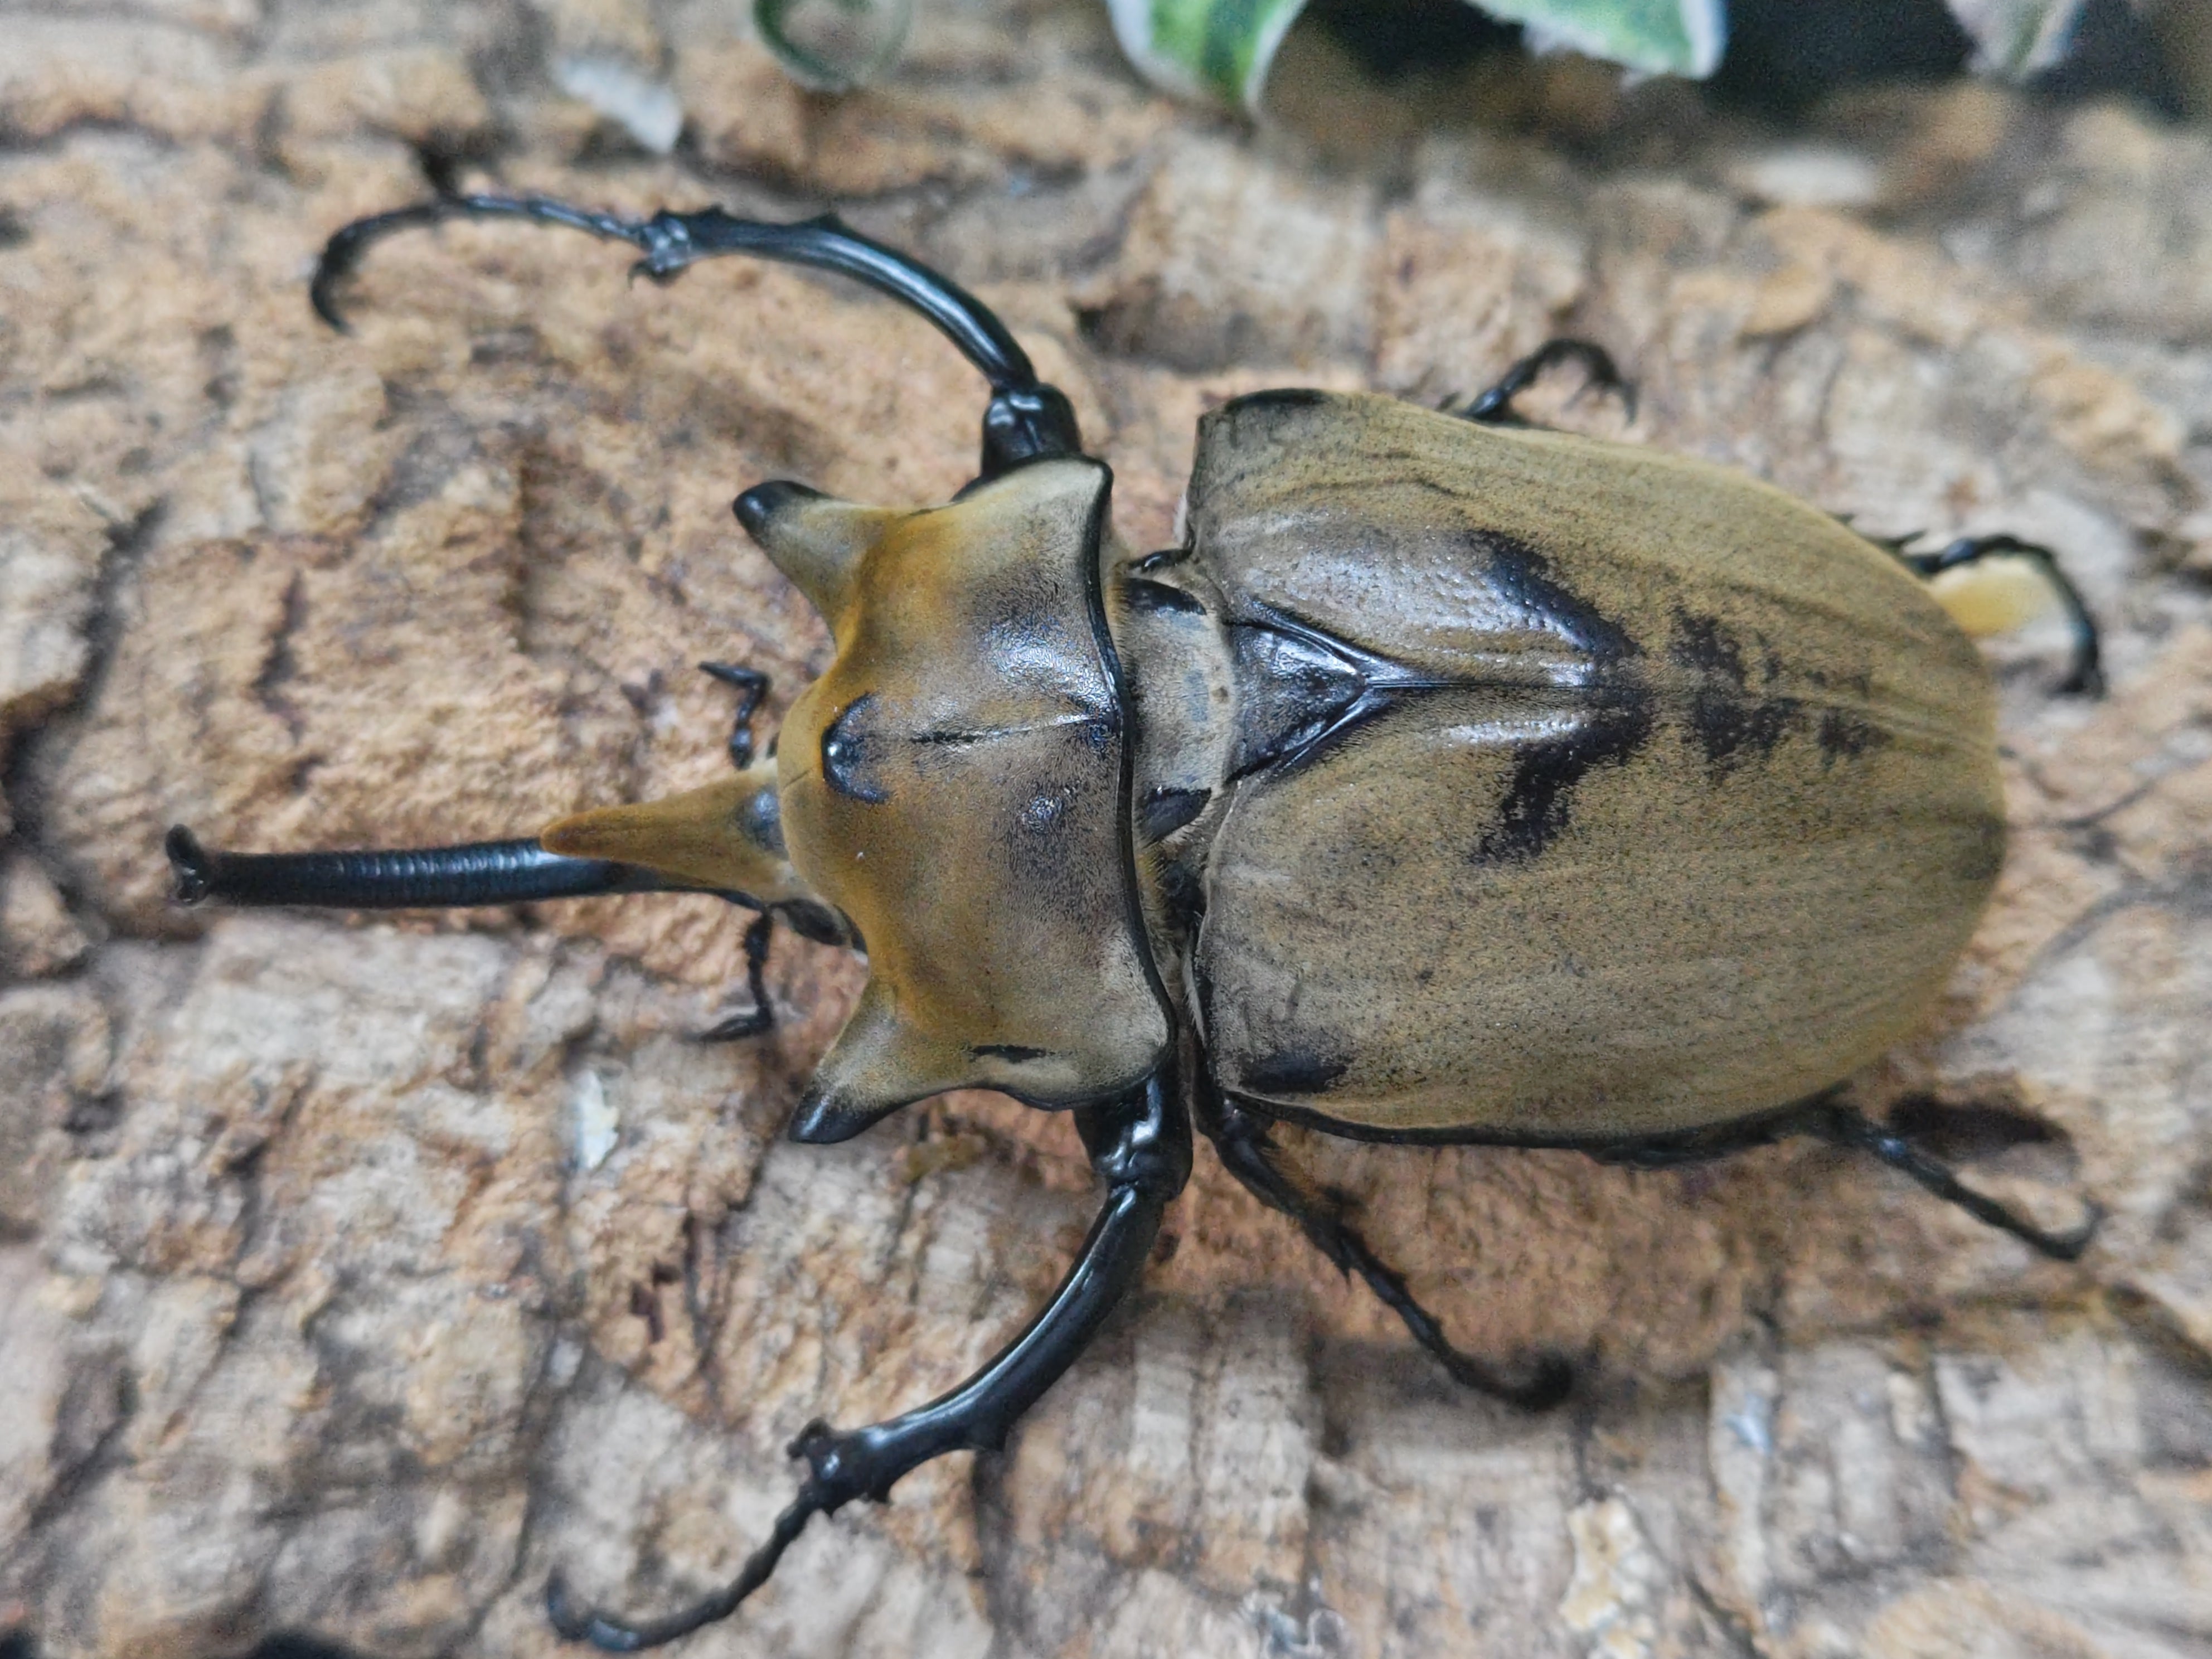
1025 419
878 1064
815 539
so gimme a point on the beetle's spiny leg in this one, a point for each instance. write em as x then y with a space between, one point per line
2086 677
1026 419
1241 1140
1139 1146
1845 1126
753 686
760 1018
1495 406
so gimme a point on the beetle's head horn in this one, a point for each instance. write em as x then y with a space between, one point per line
725 838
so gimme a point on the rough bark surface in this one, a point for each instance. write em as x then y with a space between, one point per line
356 1271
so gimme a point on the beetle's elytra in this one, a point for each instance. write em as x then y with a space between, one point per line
1452 780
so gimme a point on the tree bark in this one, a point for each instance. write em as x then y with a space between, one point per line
359 1271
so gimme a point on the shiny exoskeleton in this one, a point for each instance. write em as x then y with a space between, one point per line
1451 780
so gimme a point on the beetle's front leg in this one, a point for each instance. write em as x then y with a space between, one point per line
1139 1146
1241 1139
760 1018
1495 406
752 687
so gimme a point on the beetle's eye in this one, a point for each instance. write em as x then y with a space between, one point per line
851 756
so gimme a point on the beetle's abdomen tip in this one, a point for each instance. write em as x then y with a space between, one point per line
189 864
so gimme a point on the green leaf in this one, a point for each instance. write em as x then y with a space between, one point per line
833 45
1222 49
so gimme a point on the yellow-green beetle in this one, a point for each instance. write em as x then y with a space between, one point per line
1452 780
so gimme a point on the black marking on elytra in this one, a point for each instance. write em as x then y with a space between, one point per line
1145 595
1844 735
1539 797
1735 720
1522 576
1297 1071
1734 729
1166 811
1014 1051
1704 646
852 752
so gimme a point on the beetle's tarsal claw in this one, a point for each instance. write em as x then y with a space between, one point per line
2069 1246
578 1623
1495 406
190 864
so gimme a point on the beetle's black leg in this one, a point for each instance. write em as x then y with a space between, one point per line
751 686
1846 1125
1025 419
1495 406
479 872
1139 1146
2086 677
1241 1139
761 1016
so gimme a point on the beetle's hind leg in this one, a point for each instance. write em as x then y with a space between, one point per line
2086 677
1846 1125
1139 1146
759 1019
1241 1139
1495 406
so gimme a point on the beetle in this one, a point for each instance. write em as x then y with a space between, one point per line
1452 780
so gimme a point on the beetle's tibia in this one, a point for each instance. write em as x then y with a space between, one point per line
1241 1140
1139 1147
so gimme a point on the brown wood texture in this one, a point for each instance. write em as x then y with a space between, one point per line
355 1272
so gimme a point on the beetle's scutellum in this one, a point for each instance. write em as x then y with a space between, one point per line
1452 781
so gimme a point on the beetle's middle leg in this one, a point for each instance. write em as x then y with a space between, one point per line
1139 1147
2087 677
1495 406
1846 1126
1241 1139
